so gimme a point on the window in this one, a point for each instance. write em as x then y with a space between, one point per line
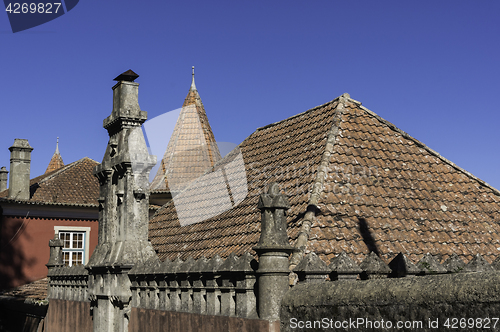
73 249
76 244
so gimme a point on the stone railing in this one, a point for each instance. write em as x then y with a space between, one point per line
68 283
214 287
312 269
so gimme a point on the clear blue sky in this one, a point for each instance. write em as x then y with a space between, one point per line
430 67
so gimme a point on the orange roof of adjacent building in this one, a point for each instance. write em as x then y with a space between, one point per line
56 161
73 184
191 148
355 182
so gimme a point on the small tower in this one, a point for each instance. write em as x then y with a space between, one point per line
123 209
192 148
4 178
20 162
56 161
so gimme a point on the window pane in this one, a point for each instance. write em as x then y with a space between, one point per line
78 241
66 259
66 238
77 258
74 247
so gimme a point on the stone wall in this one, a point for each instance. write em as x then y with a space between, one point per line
425 303
65 315
157 321
426 296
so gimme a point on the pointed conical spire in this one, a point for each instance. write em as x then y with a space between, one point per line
56 161
192 148
193 86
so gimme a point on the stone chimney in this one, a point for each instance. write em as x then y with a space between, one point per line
123 212
3 178
20 160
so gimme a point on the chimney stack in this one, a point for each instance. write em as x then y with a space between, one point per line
20 160
3 178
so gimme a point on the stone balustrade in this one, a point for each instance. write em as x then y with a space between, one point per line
207 286
312 269
68 283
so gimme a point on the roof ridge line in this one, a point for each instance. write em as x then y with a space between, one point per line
30 202
296 115
63 169
319 180
424 146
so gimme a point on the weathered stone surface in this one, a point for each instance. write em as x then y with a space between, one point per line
165 266
246 263
273 205
344 267
429 265
55 258
434 297
273 250
174 265
478 264
3 178
199 265
312 269
454 264
212 266
496 264
20 162
185 267
124 212
374 267
229 263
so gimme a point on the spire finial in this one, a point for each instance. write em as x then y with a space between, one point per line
57 146
193 86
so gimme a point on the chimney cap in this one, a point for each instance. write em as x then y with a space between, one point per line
129 76
20 143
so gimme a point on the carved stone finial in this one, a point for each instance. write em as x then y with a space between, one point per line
429 265
193 86
273 205
273 250
401 266
374 267
344 267
56 259
454 264
312 269
478 264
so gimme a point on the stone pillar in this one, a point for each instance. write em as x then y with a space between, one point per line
273 250
20 160
3 178
123 209
56 258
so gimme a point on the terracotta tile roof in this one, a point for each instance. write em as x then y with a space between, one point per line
36 290
56 161
192 148
287 152
73 184
374 186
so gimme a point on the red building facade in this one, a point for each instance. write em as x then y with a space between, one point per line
63 201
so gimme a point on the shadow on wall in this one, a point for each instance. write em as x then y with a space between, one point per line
13 261
368 238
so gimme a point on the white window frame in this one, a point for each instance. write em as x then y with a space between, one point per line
85 230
